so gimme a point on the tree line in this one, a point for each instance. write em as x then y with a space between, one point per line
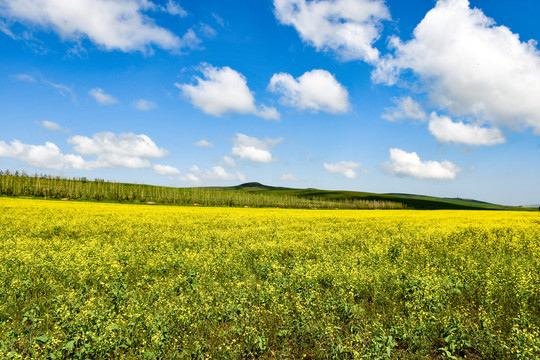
80 188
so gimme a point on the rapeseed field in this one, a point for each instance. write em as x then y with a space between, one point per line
114 281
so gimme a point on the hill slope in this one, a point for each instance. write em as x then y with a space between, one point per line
410 200
251 194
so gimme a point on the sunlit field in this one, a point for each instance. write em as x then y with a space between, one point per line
102 281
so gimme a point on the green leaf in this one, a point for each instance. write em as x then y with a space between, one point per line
70 345
43 338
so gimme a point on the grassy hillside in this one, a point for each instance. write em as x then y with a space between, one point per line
249 194
409 200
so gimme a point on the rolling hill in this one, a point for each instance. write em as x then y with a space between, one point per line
249 194
410 200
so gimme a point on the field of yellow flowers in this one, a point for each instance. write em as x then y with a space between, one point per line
113 281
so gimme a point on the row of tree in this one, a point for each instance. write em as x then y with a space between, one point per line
55 187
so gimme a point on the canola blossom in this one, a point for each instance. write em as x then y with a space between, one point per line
90 280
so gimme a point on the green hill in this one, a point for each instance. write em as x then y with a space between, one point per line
252 194
410 200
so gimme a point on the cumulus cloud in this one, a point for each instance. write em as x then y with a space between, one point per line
470 66
222 91
406 108
345 168
204 143
125 150
347 27
110 24
165 170
102 97
109 151
46 156
144 105
252 149
403 163
217 173
447 131
316 90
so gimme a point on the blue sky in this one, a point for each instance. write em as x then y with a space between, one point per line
430 97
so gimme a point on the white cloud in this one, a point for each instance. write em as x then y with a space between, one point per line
165 170
346 27
110 151
204 143
61 88
144 105
206 30
268 113
217 173
50 125
46 156
446 131
219 20
77 50
345 168
25 77
403 163
406 108
288 177
102 97
190 178
229 162
110 24
190 40
316 90
174 8
5 29
125 150
252 149
224 90
470 66
125 144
